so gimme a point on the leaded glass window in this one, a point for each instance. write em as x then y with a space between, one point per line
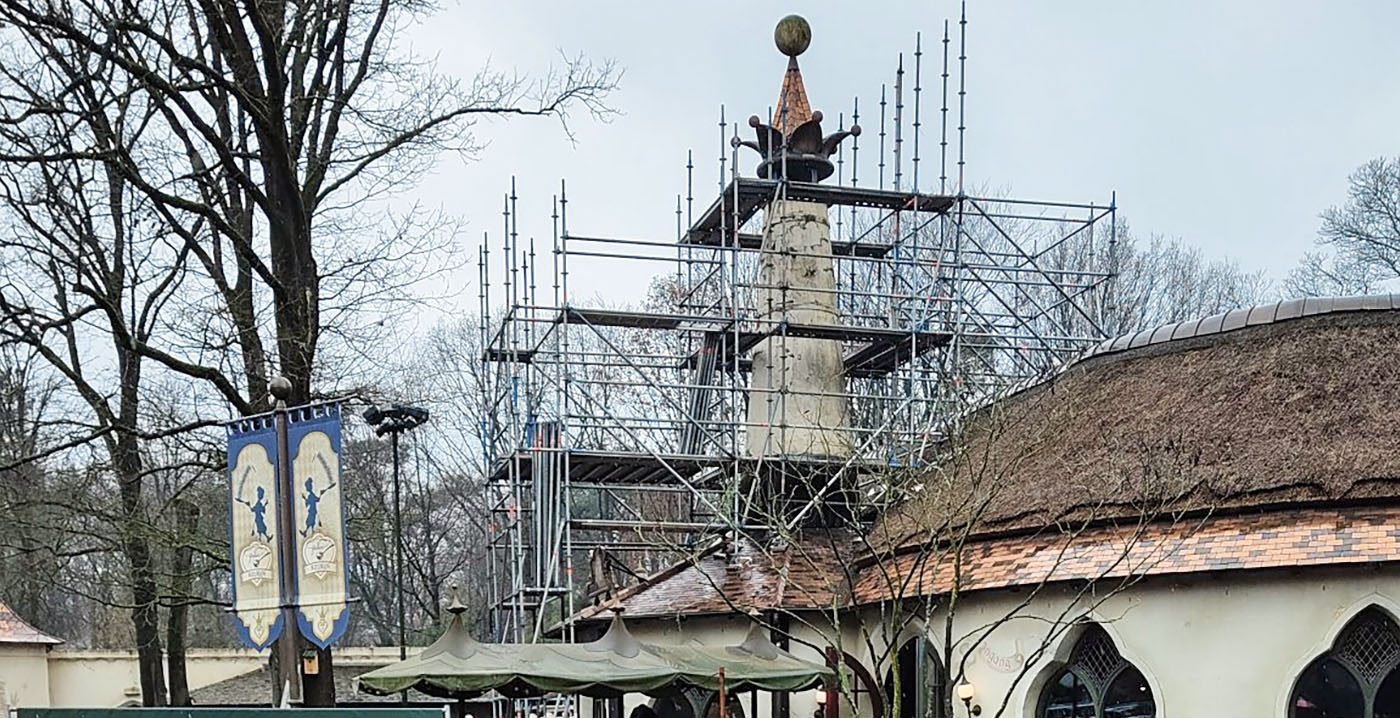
1358 678
1097 683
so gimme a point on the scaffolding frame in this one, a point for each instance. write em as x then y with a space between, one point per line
623 431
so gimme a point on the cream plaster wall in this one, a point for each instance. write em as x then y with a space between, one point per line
85 678
1224 644
1228 644
24 676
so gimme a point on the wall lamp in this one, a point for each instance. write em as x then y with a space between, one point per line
965 693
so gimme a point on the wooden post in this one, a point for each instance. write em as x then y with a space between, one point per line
833 661
723 699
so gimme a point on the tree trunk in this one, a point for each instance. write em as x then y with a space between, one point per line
296 309
145 614
319 689
182 582
126 455
297 331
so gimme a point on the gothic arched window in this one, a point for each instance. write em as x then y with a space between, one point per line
1097 683
1358 678
920 681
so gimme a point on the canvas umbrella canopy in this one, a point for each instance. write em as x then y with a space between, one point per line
754 664
458 666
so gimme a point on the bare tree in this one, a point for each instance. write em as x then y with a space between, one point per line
1163 281
254 136
1359 241
443 538
84 271
28 421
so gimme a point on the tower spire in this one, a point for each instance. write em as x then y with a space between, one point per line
792 146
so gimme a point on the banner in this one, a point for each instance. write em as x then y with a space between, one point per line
257 595
313 435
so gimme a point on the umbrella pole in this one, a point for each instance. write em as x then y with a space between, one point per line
723 699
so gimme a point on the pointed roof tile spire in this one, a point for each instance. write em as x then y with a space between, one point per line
792 36
792 108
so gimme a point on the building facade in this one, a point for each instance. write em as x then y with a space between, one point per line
1196 520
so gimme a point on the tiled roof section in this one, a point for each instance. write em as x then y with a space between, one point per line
1280 539
1246 317
808 574
14 629
792 108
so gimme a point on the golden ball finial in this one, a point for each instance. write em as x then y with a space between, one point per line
792 35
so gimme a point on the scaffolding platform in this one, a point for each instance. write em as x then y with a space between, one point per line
744 196
880 358
750 242
881 350
634 469
612 468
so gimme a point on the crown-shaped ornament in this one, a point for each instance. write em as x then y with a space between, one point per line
793 146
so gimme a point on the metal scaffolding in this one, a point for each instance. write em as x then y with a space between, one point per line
618 439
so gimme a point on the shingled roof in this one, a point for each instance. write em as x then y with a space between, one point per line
740 577
1273 539
14 629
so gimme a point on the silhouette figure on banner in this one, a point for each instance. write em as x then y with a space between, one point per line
259 509
313 500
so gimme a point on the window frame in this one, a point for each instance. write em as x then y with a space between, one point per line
1097 690
1369 689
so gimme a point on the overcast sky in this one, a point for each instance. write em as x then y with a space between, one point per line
1228 124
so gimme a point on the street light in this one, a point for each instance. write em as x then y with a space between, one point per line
394 421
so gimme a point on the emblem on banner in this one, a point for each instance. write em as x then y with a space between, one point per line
318 555
255 564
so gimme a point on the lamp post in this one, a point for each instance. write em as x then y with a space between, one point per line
288 675
394 421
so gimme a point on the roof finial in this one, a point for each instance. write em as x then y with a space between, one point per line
793 146
455 605
792 35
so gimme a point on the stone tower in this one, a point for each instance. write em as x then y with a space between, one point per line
797 404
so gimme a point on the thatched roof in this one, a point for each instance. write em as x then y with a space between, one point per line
1290 409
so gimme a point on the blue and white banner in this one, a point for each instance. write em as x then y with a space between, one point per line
257 594
322 597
